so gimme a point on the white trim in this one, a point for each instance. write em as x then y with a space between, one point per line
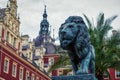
21 68
14 64
6 59
37 78
33 76
27 75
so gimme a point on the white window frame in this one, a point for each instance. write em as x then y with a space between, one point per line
51 61
27 75
14 69
6 65
33 77
21 74
37 78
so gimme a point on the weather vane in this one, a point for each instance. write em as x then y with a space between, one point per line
44 3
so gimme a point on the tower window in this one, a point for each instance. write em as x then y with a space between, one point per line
14 42
7 37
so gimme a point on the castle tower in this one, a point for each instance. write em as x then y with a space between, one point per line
13 7
44 37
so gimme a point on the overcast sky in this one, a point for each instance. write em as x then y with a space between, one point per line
31 11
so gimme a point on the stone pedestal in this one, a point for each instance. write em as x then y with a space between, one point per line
75 77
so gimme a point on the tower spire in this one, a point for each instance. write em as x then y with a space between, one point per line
44 25
45 13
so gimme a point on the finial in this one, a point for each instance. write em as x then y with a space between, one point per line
8 3
45 7
45 14
45 10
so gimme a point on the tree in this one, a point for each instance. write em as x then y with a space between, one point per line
106 47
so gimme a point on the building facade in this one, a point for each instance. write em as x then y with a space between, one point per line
15 64
14 67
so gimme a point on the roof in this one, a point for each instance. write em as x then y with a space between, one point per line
25 36
38 40
50 48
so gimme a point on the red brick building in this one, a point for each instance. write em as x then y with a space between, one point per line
14 67
13 64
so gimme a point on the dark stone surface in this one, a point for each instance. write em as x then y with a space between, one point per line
75 38
75 77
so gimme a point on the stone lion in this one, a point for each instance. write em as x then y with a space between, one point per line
74 38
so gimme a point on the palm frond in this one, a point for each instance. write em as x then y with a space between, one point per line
88 21
109 20
100 21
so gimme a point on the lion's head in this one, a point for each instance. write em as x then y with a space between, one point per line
73 32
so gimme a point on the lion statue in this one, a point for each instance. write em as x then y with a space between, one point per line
74 37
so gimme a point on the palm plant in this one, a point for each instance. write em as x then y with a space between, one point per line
106 48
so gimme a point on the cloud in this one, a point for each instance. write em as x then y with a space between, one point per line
58 10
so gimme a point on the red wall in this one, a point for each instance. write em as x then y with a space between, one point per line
56 57
47 56
112 74
20 62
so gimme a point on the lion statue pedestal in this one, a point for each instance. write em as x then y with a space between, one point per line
75 38
75 77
